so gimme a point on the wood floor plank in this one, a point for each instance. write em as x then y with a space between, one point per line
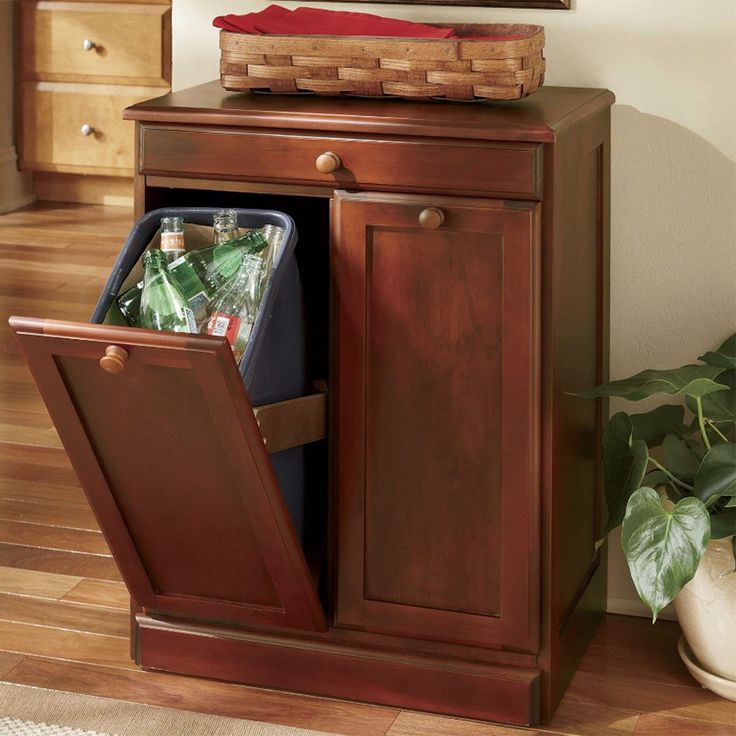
662 725
100 593
64 615
421 724
584 719
208 696
37 584
81 564
685 701
71 517
43 641
8 661
42 492
52 537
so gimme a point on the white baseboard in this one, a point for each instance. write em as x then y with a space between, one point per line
634 607
15 186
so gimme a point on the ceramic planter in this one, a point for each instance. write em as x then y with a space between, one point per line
706 610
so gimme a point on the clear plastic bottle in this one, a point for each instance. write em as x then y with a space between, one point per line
163 304
234 308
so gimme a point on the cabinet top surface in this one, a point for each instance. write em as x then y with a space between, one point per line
539 117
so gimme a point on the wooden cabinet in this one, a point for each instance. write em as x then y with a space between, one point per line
463 250
79 65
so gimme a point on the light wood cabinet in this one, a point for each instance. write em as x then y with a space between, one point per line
79 65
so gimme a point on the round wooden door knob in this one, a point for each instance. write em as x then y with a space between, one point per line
113 361
328 162
431 218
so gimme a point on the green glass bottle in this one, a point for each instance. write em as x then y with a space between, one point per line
163 304
234 307
220 262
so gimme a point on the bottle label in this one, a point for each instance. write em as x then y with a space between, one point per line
190 320
172 241
224 325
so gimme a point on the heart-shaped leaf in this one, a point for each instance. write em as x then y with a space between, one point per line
679 458
717 473
719 406
692 380
725 356
653 426
624 463
663 548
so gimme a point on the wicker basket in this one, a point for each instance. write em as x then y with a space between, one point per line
453 69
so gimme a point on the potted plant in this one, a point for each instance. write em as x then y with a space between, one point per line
671 483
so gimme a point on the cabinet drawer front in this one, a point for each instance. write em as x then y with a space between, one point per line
174 466
437 418
130 42
464 167
52 118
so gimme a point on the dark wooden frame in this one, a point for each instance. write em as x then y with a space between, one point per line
543 4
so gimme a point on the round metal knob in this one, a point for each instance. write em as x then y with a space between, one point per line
86 129
431 218
113 361
88 44
328 162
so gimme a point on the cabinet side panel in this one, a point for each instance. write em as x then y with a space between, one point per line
575 357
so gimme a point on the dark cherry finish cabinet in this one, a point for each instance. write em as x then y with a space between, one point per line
455 268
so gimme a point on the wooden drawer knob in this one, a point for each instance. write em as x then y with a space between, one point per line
88 44
86 130
431 218
113 361
328 162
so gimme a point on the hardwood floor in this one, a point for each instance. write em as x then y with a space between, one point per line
64 611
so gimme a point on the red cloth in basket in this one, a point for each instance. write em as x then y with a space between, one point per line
275 20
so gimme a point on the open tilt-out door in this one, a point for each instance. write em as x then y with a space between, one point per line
161 433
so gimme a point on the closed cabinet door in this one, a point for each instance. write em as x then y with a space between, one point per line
162 436
436 417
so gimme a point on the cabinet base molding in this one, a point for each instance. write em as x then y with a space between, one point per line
339 670
107 190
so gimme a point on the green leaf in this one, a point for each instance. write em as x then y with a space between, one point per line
717 474
723 524
655 478
624 463
679 458
653 426
691 380
663 548
719 406
725 356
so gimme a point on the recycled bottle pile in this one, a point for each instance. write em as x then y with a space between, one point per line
214 290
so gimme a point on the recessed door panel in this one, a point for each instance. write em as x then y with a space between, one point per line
436 430
175 468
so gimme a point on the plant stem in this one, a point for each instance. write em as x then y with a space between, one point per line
669 475
716 430
701 423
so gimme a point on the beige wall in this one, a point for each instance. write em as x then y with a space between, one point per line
14 187
671 64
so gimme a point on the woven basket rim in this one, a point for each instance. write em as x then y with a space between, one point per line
537 30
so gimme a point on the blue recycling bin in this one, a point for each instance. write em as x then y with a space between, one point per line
274 366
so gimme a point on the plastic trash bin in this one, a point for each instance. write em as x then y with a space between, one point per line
273 367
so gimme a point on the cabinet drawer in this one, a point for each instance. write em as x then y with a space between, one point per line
464 167
52 119
130 42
